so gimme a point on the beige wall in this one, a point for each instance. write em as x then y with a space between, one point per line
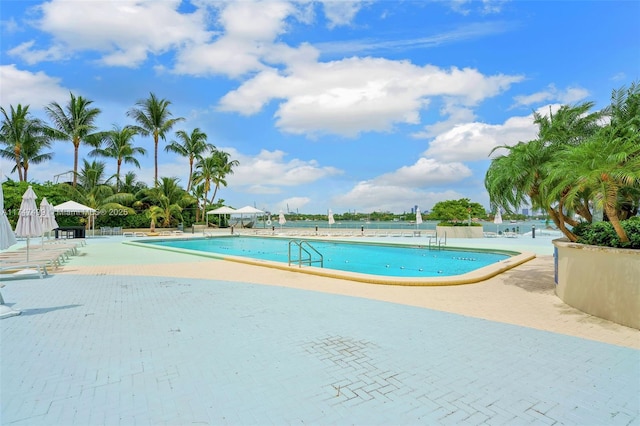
600 281
460 231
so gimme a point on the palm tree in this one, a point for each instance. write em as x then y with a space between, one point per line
165 201
607 165
119 146
603 166
524 174
24 138
32 152
203 176
130 184
75 124
193 146
153 118
93 191
223 168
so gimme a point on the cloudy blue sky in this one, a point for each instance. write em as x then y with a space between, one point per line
350 105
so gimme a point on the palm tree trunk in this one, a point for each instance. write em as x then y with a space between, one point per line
155 143
76 146
558 219
612 214
118 175
190 173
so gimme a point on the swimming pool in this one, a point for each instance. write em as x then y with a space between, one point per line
369 262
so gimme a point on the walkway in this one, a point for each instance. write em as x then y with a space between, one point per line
128 336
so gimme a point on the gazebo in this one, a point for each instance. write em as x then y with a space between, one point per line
73 208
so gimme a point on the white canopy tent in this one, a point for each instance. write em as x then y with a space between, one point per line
220 211
74 208
247 210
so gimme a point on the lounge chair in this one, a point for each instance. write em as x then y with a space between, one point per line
26 270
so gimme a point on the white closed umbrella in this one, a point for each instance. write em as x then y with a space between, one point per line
330 218
47 218
29 224
497 219
281 219
7 239
418 217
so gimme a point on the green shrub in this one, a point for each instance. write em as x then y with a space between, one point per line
603 234
446 223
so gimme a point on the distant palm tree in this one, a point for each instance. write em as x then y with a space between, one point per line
75 123
119 146
203 177
213 170
223 168
153 118
131 185
24 138
193 146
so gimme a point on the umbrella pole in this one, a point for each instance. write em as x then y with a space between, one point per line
27 248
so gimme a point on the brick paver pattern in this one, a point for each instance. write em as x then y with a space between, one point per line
120 350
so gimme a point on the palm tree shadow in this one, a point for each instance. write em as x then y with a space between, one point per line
40 311
534 277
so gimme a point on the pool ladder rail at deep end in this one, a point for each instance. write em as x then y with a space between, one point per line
305 252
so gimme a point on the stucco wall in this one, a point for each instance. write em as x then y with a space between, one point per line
460 231
600 281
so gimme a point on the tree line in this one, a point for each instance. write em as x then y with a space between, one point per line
26 140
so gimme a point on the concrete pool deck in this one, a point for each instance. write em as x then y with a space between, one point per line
127 335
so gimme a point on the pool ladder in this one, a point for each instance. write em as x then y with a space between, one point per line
437 244
306 249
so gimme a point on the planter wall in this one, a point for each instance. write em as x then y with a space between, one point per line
601 281
460 231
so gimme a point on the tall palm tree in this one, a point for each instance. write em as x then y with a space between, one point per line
32 152
203 176
223 168
23 137
192 146
119 145
74 123
153 118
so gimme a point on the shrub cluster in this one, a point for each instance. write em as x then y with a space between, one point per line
603 234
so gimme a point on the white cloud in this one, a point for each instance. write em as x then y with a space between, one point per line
569 95
340 13
367 196
28 88
404 187
269 171
425 172
294 204
141 28
455 115
355 95
474 141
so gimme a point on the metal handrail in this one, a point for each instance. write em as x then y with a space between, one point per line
309 259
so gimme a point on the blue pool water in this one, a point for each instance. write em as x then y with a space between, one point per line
366 258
